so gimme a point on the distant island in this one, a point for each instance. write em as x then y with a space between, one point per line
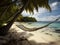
26 19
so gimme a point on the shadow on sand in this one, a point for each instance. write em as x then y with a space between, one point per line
50 43
14 39
32 42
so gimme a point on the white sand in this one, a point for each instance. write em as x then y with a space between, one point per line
44 36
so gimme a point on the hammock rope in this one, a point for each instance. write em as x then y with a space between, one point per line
24 28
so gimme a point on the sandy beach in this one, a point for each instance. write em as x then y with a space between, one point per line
43 36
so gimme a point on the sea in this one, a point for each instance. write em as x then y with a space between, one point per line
55 25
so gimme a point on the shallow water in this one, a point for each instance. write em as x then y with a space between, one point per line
55 25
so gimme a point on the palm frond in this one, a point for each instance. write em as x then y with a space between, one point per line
35 4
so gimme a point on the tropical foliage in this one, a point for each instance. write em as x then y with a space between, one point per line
26 19
8 8
11 9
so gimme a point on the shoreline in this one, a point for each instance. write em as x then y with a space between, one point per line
45 36
41 36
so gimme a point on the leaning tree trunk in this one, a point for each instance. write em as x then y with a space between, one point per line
5 29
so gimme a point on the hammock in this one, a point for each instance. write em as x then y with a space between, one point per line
35 29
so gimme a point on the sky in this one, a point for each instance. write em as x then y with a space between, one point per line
43 14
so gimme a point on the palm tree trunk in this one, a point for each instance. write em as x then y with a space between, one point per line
5 29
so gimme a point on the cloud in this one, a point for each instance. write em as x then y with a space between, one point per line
48 18
42 10
54 5
24 13
43 14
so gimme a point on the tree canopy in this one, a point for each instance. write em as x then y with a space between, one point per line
11 9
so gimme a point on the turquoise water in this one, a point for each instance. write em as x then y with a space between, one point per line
55 25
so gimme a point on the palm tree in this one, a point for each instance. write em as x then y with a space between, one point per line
28 5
